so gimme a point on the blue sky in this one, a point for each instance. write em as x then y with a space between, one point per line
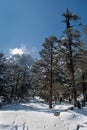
24 24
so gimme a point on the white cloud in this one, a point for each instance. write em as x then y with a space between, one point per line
19 51
33 51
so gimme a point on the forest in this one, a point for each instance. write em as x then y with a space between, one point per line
60 74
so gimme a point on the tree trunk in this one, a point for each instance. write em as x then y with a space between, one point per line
51 77
83 90
72 78
71 67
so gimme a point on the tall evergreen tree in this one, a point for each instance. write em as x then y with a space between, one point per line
69 45
48 54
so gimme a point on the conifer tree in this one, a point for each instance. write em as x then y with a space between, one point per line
47 64
70 44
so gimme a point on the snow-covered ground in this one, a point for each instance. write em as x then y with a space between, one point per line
73 119
37 116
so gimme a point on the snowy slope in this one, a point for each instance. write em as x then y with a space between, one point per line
37 116
29 116
73 119
31 120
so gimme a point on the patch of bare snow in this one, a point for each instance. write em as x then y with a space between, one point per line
73 118
37 116
29 116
